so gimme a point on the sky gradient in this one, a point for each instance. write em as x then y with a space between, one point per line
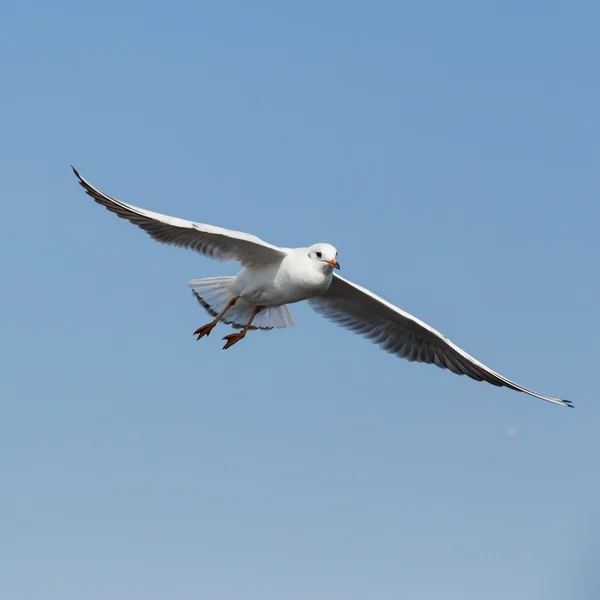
449 151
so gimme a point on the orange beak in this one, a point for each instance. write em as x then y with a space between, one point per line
334 263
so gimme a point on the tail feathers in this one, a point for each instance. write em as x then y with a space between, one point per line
266 319
214 293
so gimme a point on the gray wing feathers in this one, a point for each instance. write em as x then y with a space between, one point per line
215 242
399 333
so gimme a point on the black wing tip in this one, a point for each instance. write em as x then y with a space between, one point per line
79 177
568 404
83 183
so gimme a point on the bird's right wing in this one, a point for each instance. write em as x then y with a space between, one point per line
215 242
398 332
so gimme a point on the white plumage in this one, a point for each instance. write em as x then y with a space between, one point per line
273 277
213 293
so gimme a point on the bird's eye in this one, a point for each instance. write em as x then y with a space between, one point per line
319 255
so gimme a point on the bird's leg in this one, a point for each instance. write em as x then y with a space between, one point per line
233 338
206 329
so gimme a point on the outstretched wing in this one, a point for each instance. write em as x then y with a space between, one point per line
398 332
215 242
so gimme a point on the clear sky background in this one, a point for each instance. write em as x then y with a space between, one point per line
450 150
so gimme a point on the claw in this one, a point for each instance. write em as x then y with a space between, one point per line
232 339
204 330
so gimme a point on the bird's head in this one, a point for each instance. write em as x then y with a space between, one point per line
325 255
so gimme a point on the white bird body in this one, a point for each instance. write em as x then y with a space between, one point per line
293 279
272 278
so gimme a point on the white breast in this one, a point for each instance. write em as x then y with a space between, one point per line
293 279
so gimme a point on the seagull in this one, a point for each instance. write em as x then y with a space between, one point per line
273 278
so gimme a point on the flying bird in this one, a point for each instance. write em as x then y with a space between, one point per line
273 278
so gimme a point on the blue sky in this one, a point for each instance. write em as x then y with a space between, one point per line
450 152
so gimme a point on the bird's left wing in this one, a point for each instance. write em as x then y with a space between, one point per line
215 242
399 333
